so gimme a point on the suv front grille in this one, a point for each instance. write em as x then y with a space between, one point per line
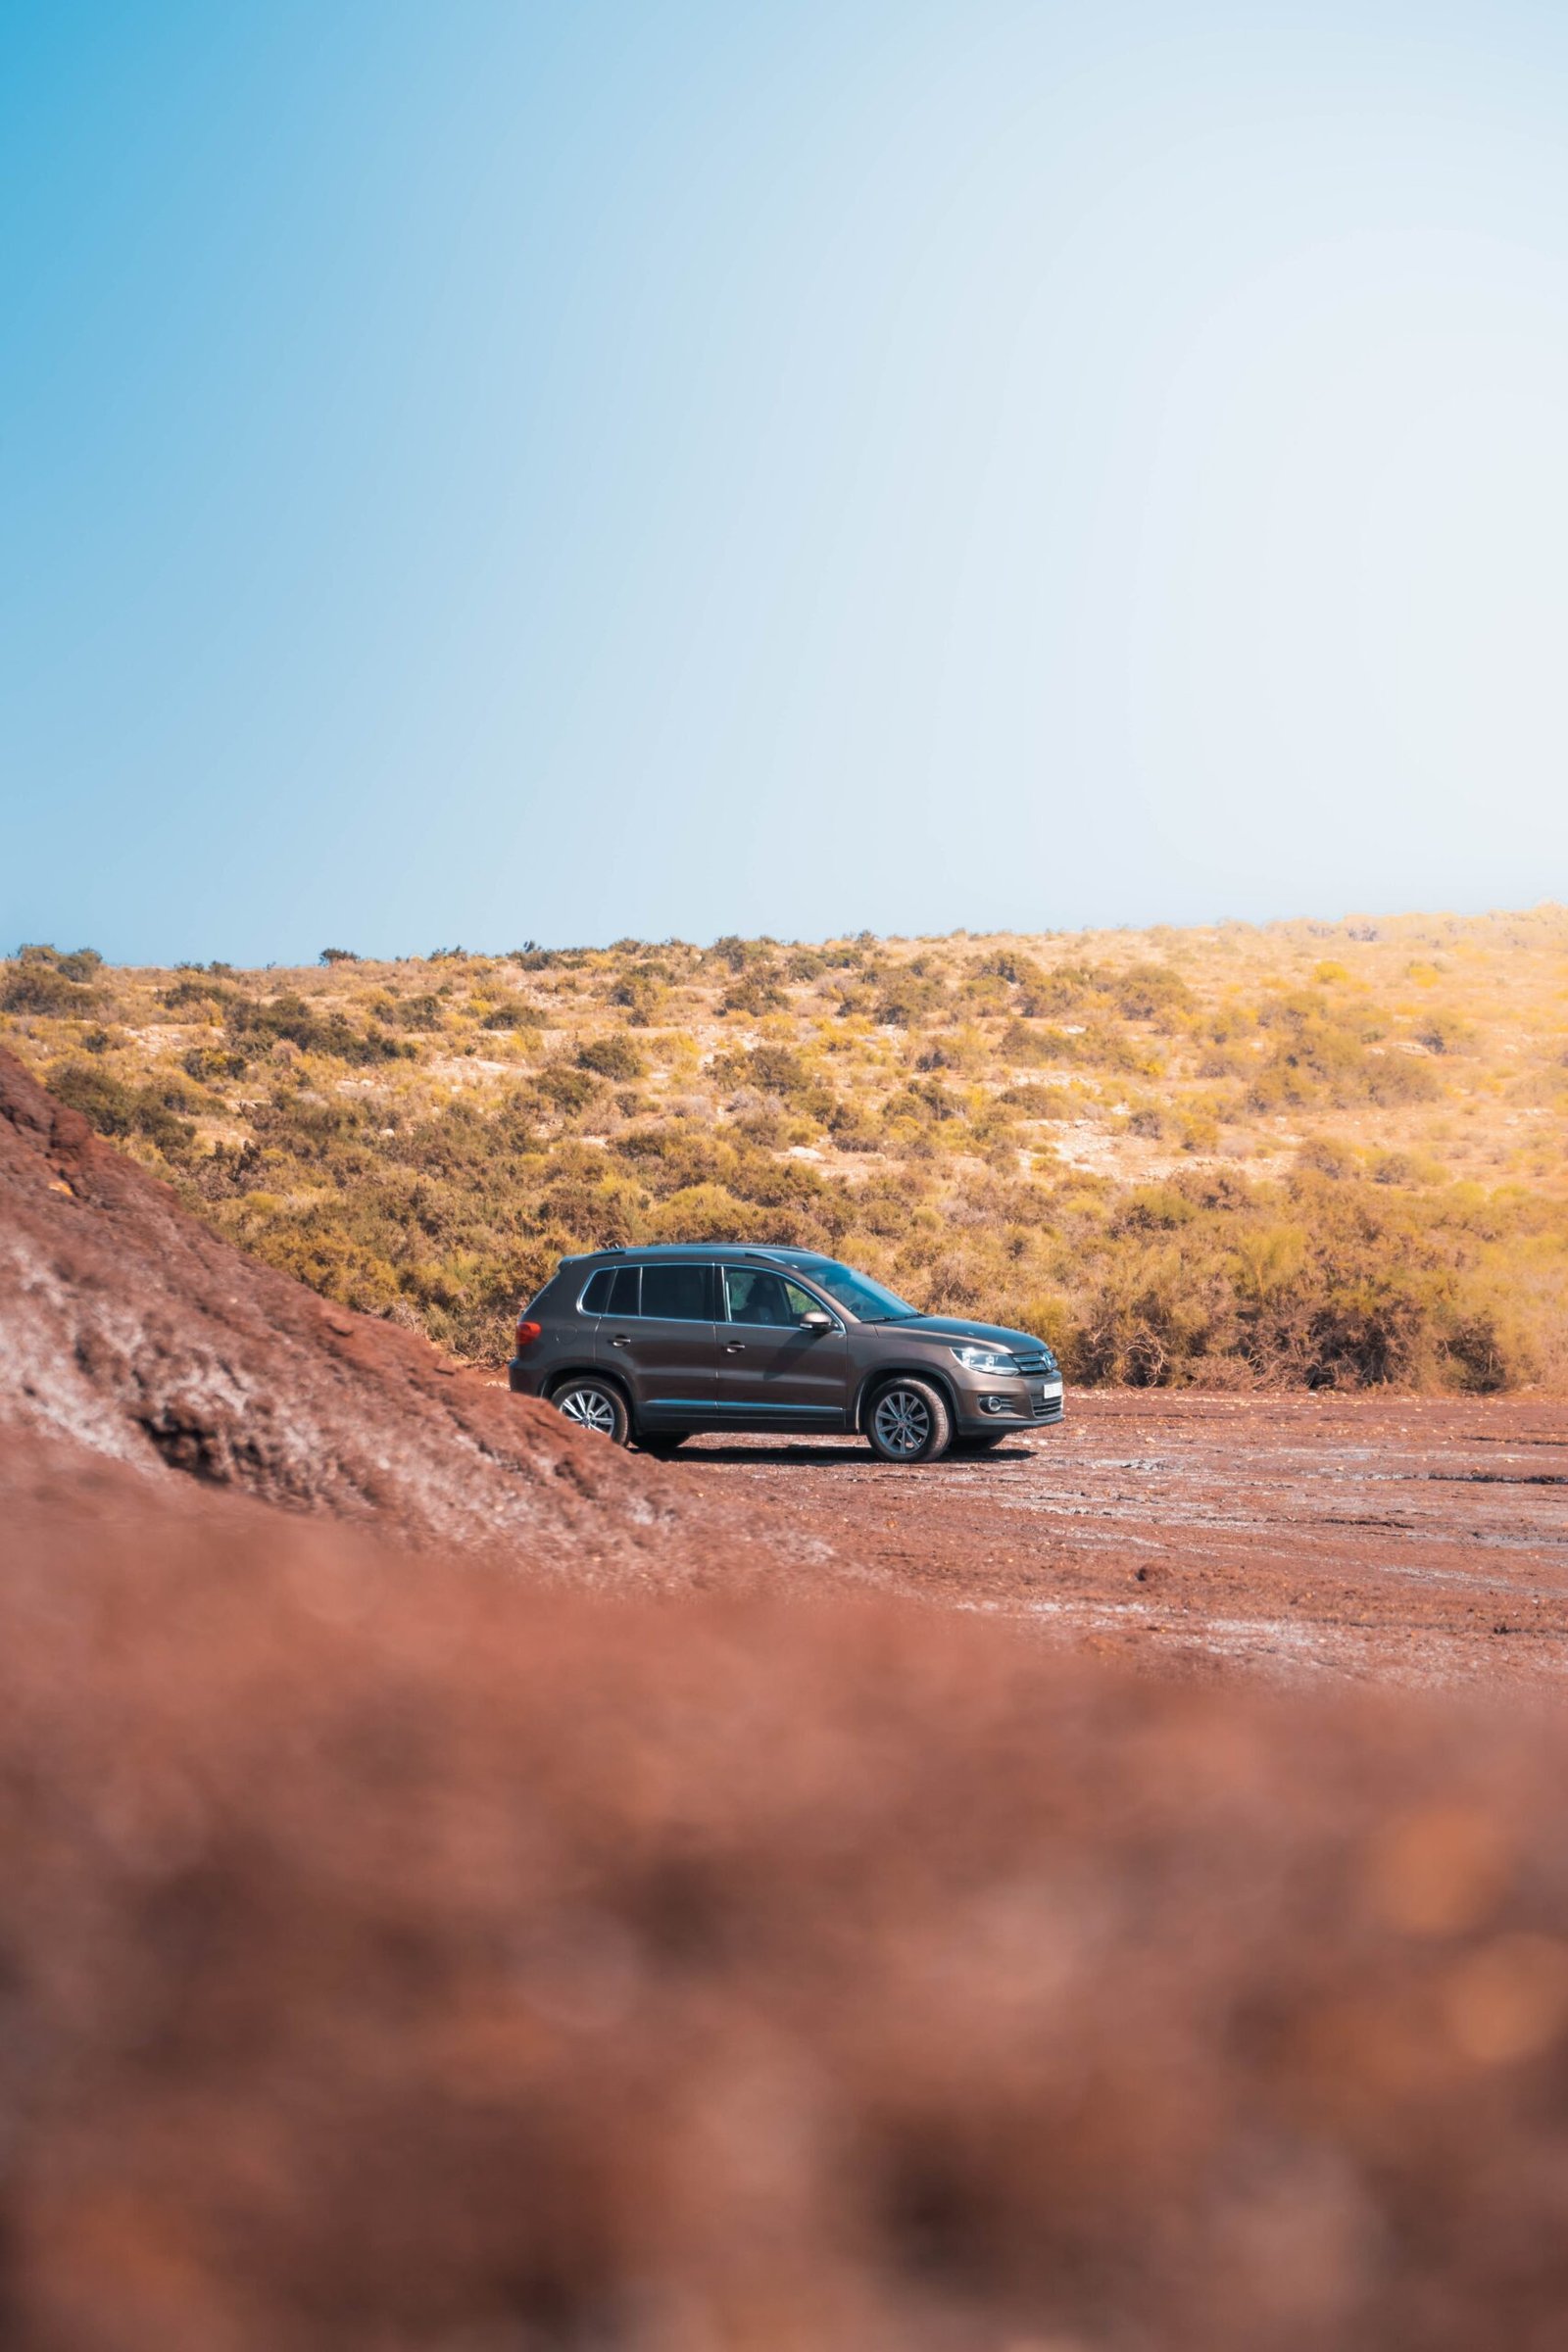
1032 1366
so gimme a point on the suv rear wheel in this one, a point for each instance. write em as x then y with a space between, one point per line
596 1404
908 1422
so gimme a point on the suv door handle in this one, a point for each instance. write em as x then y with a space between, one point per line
623 1342
735 1348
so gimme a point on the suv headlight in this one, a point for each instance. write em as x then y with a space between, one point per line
976 1358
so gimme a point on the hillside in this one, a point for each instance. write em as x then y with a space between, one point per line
1305 1153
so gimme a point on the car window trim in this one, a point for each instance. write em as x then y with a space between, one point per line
636 1313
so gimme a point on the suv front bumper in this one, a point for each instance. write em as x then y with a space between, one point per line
991 1406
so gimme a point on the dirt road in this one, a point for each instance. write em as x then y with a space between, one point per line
1420 1539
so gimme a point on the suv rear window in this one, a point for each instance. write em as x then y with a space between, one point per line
681 1294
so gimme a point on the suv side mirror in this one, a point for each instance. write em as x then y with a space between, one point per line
816 1320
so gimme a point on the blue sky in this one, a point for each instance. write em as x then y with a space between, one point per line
478 471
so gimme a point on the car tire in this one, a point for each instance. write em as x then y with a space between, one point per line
661 1443
907 1421
589 1403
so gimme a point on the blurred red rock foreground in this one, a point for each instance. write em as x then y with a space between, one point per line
394 1958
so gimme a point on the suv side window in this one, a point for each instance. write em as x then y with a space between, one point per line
613 1291
756 1294
680 1292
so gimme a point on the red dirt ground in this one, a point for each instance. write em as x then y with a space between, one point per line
1416 1540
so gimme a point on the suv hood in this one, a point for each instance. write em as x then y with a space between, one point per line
957 1329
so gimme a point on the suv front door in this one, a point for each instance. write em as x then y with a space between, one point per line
772 1368
665 1341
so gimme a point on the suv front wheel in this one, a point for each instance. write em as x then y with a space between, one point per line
595 1404
908 1421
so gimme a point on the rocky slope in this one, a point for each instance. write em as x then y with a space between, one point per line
131 1331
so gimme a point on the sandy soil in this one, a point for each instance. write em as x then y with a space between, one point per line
1419 1539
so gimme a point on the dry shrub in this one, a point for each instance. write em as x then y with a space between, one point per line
612 1057
43 981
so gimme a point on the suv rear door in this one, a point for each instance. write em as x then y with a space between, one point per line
658 1331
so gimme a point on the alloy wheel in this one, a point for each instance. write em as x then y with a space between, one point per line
902 1422
590 1408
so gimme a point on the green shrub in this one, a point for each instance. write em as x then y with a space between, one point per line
1039 1101
213 1064
644 992
1151 992
755 992
197 992
612 1057
853 1130
116 1109
1027 1042
570 1091
41 981
290 1019
910 999
421 1013
772 1069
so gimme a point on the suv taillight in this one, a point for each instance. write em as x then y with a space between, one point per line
526 1335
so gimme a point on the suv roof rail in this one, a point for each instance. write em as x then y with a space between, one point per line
780 1249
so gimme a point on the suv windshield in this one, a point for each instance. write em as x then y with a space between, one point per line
866 1301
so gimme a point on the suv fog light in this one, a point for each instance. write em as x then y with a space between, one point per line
992 1404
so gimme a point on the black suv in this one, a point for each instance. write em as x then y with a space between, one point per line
655 1344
